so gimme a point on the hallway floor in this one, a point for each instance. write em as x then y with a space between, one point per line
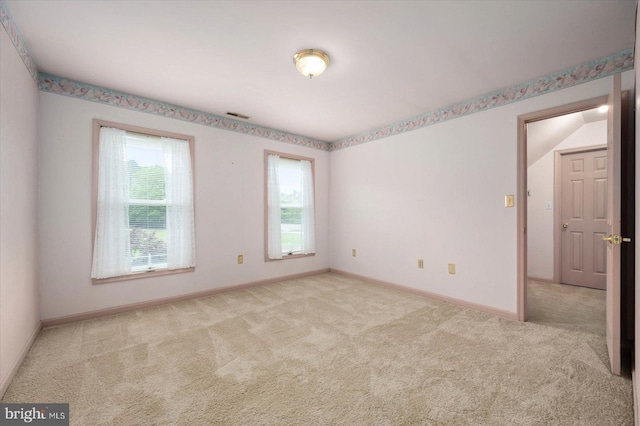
568 307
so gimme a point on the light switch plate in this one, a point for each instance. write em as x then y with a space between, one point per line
509 200
240 259
421 263
353 252
452 268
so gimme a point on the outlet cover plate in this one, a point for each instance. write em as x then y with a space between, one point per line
509 200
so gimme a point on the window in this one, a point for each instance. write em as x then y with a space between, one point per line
290 218
144 221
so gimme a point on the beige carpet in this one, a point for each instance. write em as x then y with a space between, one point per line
317 351
567 306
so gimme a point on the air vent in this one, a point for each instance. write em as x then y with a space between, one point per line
236 114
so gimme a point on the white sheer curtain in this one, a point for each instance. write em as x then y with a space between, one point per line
181 241
308 235
111 249
274 236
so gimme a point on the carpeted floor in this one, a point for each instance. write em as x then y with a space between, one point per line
322 350
568 307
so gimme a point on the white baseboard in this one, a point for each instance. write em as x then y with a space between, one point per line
18 361
151 303
447 299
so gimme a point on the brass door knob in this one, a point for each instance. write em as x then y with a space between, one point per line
616 239
565 225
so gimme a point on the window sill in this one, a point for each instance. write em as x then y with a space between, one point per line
287 257
140 275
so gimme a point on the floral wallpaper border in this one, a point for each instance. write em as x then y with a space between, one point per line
75 89
603 67
16 38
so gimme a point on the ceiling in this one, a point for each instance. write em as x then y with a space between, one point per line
545 135
390 60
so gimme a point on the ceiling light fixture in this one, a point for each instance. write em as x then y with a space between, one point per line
311 62
603 108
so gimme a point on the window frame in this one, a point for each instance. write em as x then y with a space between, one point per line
266 201
97 124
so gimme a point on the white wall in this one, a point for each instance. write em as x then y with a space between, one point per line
19 298
229 210
540 183
438 194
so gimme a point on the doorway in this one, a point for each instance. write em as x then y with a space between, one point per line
550 142
524 160
566 219
620 268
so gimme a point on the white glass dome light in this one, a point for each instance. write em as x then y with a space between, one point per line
311 62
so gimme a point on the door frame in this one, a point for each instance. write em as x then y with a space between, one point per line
521 192
557 203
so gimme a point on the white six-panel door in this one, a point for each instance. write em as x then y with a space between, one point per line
584 218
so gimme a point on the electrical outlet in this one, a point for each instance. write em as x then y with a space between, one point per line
420 263
353 252
452 268
240 259
509 200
